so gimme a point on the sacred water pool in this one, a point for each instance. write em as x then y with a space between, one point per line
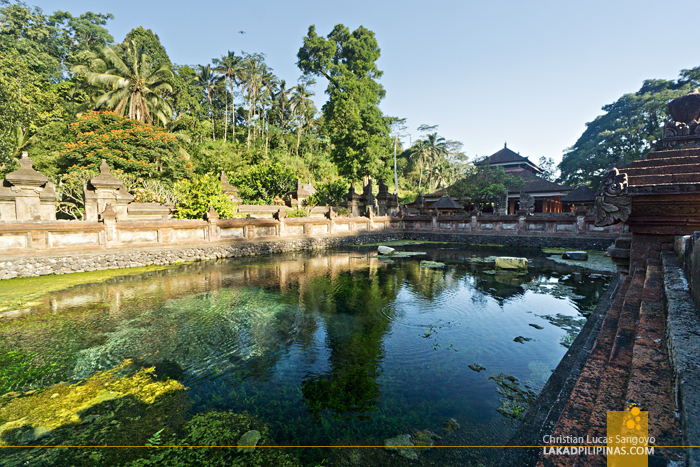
337 347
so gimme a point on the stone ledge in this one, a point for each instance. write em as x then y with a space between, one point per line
683 342
34 265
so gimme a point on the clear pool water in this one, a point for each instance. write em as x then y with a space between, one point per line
326 348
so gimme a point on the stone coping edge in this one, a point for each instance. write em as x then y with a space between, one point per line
70 262
550 403
683 342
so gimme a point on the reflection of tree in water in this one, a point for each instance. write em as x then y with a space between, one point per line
355 329
431 283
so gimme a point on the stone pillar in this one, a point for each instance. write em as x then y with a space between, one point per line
105 189
297 197
230 190
281 215
108 217
27 195
367 198
474 213
580 220
331 215
352 202
212 218
434 216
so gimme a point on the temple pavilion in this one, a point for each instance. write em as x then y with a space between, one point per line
547 195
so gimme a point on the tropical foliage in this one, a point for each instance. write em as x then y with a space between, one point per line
127 145
197 195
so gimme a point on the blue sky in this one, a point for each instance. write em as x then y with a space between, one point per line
529 73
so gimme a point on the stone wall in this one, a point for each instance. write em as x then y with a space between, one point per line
518 241
110 233
545 224
65 263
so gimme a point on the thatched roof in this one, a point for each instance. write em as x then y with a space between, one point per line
446 203
582 194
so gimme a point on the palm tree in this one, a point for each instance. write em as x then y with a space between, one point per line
253 71
419 153
302 105
208 81
122 79
231 67
437 150
428 152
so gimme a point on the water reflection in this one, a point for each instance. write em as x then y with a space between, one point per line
324 346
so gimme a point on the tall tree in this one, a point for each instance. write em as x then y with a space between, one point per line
231 67
148 43
302 105
208 81
29 32
24 106
358 130
126 83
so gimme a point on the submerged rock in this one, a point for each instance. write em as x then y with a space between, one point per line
536 326
450 425
522 339
575 255
509 262
406 254
423 440
248 441
403 445
431 264
385 250
476 367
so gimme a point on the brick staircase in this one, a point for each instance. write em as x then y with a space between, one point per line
675 166
628 364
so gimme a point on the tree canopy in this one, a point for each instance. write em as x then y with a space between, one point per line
356 126
623 133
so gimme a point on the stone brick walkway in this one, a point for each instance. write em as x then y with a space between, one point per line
628 365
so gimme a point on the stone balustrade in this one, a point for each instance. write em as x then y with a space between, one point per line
108 232
545 224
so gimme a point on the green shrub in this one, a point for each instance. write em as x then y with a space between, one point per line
297 212
329 193
195 196
263 181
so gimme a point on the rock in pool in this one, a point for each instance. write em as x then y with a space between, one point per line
509 262
575 255
431 264
385 250
403 445
248 441
451 425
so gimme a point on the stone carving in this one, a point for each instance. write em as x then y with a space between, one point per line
104 189
387 204
527 202
352 202
684 128
612 201
685 109
27 195
230 190
298 196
